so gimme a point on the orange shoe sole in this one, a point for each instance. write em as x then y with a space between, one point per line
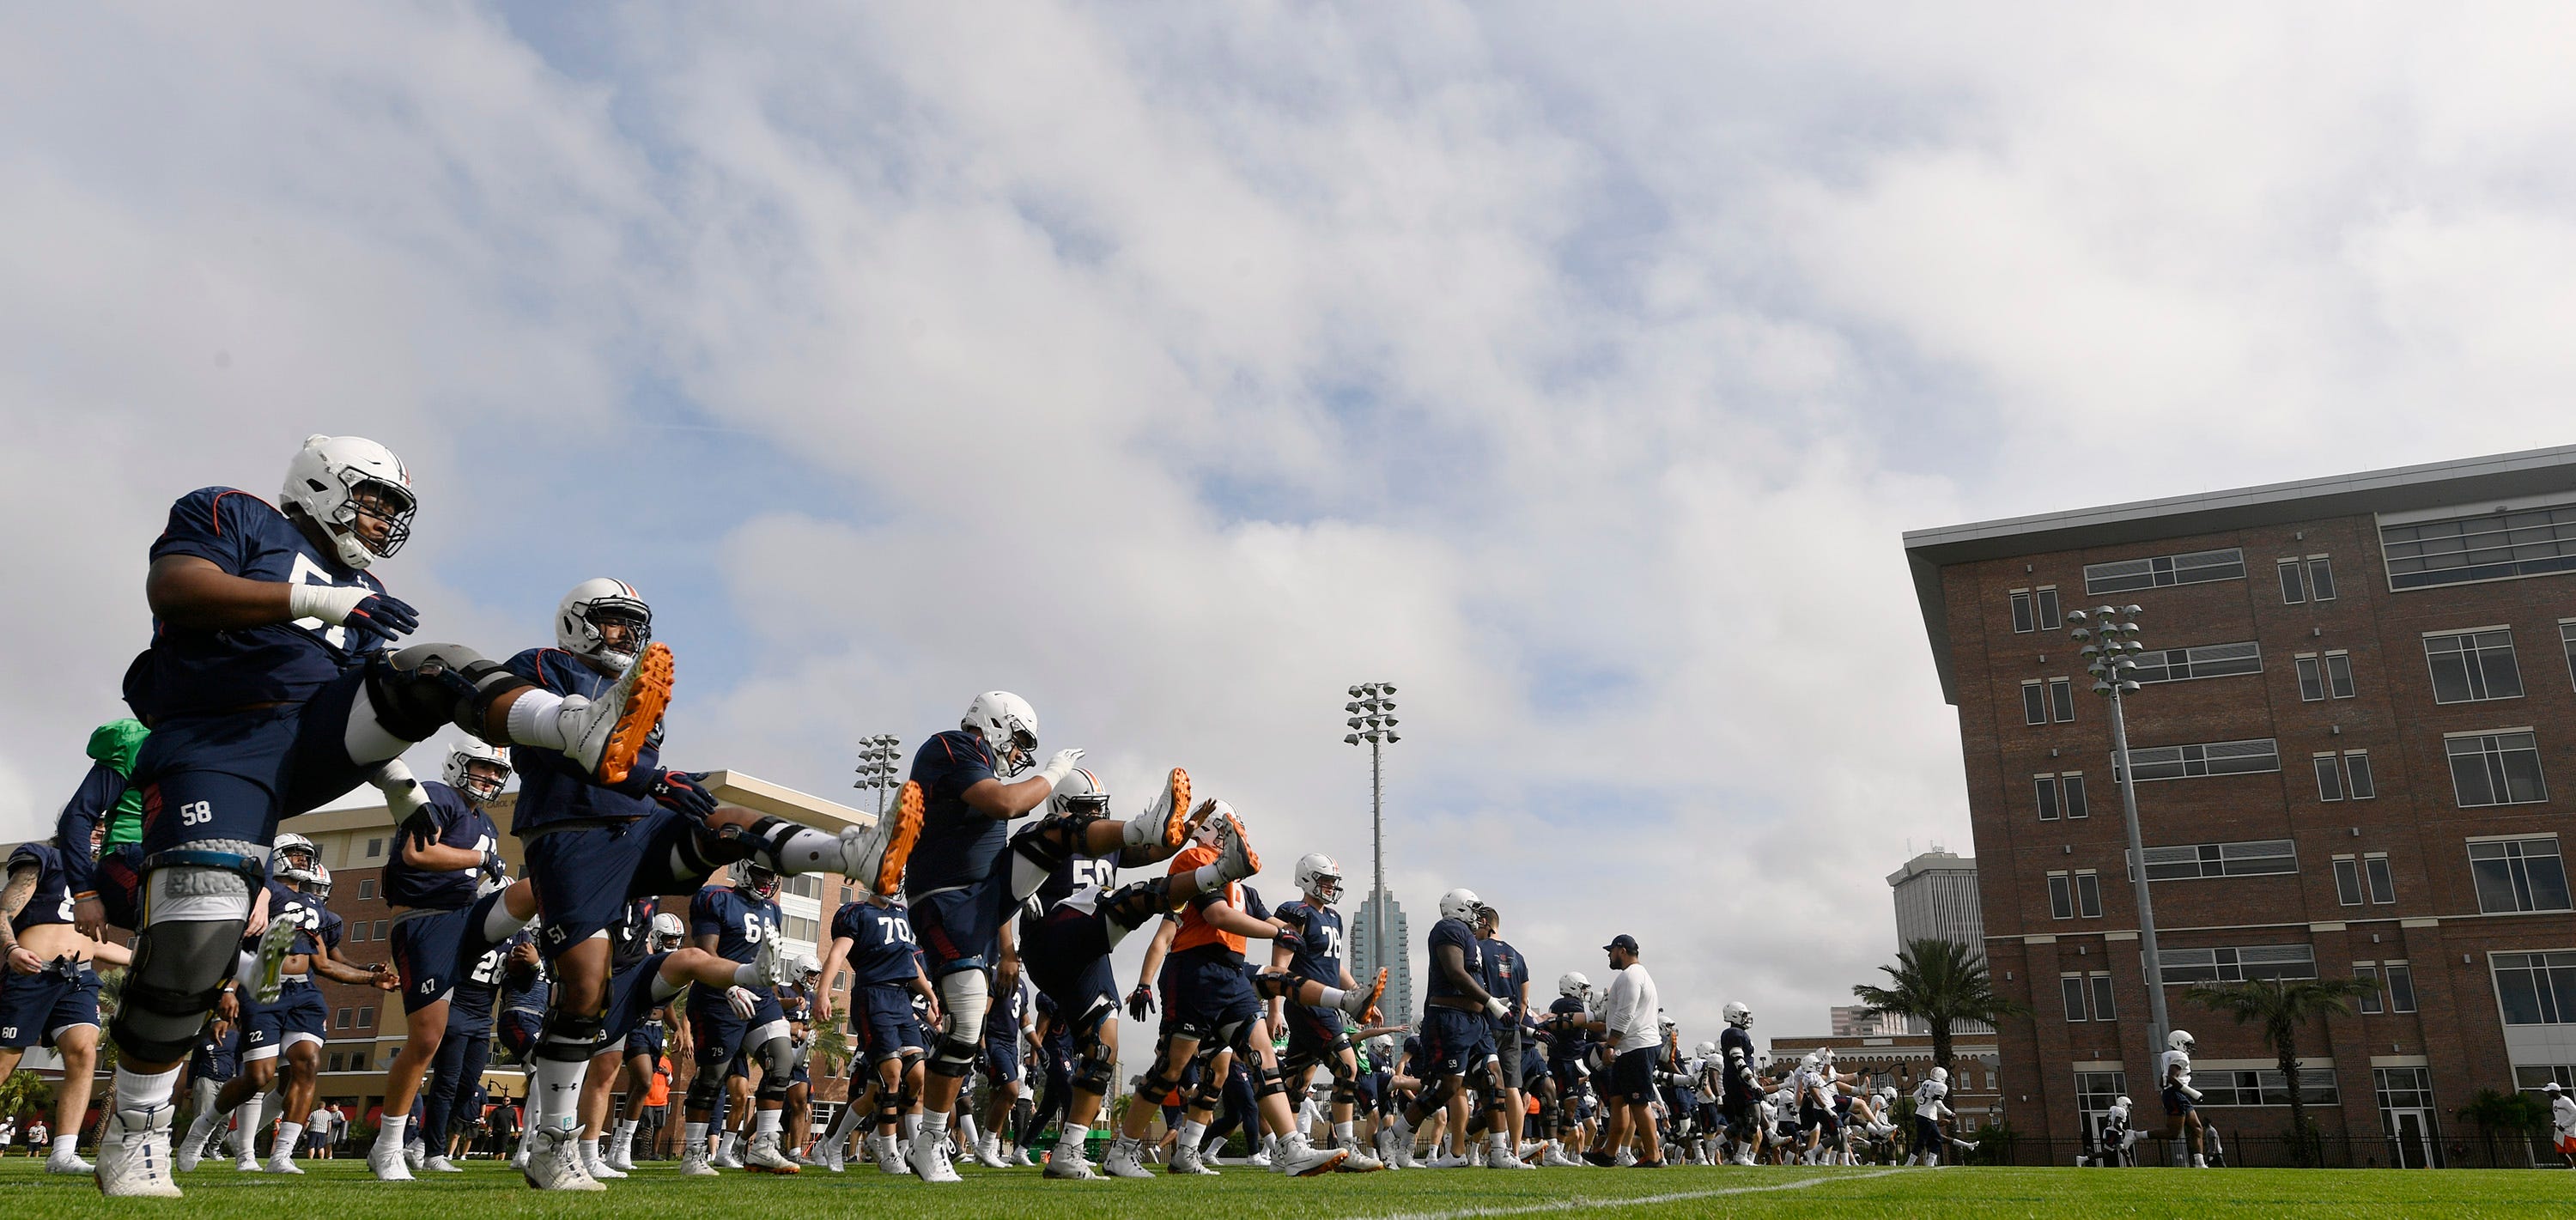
907 813
1177 825
645 704
1377 992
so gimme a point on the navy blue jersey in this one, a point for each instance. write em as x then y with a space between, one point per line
958 844
1734 1048
305 912
525 989
97 798
458 824
1503 969
1570 1043
188 671
52 901
470 1005
554 789
1314 940
881 944
737 920
1076 874
630 939
332 927
1252 903
215 1057
796 1002
1002 1017
1453 932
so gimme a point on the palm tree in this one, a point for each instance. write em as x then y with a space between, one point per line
2513 1113
1940 983
2282 1007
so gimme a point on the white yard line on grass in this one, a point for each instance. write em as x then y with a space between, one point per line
1580 1203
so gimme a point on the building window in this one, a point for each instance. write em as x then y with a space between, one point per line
2496 768
2535 1077
2347 875
2383 888
375 848
2073 986
2088 895
2045 597
2356 771
2076 987
2200 661
2022 620
2518 875
2312 678
797 927
2034 703
340 1019
2046 785
2192 861
2321 586
2339 674
366 888
2294 581
2238 964
2479 546
2061 896
2567 644
2259 1087
2103 1008
381 926
2469 666
338 1062
2061 699
2320 677
2401 987
366 1018
2536 988
2076 806
2094 1093
2329 777
2210 758
2163 570
2371 1003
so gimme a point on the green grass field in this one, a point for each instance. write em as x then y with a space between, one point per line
342 1189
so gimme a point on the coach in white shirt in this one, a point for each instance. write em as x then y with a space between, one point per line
1629 1023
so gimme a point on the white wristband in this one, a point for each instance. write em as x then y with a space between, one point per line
329 603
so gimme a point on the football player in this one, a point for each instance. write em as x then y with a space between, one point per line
739 923
49 991
1505 975
107 809
1743 1086
1457 1028
643 1049
1309 946
464 1047
1931 1105
271 691
597 843
873 937
2181 1101
455 903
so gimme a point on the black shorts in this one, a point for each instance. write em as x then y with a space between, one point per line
1632 1075
1314 1034
35 1008
720 1034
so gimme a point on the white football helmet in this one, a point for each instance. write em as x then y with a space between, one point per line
1572 984
1214 823
322 481
668 931
807 969
460 774
1809 1063
756 879
1008 724
1940 1075
1887 1092
1705 1050
293 851
1738 1015
318 881
1459 904
2180 1040
1080 791
577 622
2122 1103
1319 878
1664 1022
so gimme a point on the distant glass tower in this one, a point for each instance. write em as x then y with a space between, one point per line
1398 1004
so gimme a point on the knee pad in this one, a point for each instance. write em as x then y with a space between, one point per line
1096 1071
704 1088
964 994
1044 846
777 1067
1270 1084
179 968
425 686
1345 1093
1270 984
570 1037
1209 1094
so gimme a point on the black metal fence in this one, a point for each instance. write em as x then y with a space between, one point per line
2328 1150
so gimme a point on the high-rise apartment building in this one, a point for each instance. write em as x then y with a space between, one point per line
1936 899
1382 906
2354 741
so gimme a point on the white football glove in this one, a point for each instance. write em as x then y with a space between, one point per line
1060 766
1496 1009
743 1001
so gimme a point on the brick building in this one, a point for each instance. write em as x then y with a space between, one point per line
1903 1059
2357 695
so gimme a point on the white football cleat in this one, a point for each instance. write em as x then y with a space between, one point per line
929 1158
771 965
282 1163
1019 1158
694 1162
275 943
763 1155
387 1164
622 1159
988 1152
1125 1160
888 1151
134 1155
1358 1162
1066 1163
1299 1158
1235 859
728 1151
415 1154
1187 1159
554 1161
439 1164
874 856
597 1166
611 730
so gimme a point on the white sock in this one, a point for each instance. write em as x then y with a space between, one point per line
136 1091
934 1123
288 1136
536 718
392 1134
625 1136
912 1125
66 1146
1209 880
1192 1132
966 1136
748 975
694 1135
500 924
248 1115
589 1151
558 1091
1073 1138
1344 1133
806 850
1332 998
766 1122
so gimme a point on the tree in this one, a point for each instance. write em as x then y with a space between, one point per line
1940 983
831 1046
2281 1008
2513 1113
25 1092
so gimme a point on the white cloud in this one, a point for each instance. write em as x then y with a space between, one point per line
1576 373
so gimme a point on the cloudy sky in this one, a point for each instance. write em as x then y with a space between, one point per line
1574 367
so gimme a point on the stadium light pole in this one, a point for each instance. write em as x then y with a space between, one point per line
1371 718
2109 635
880 757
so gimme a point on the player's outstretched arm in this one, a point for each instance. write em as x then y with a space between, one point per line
193 593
